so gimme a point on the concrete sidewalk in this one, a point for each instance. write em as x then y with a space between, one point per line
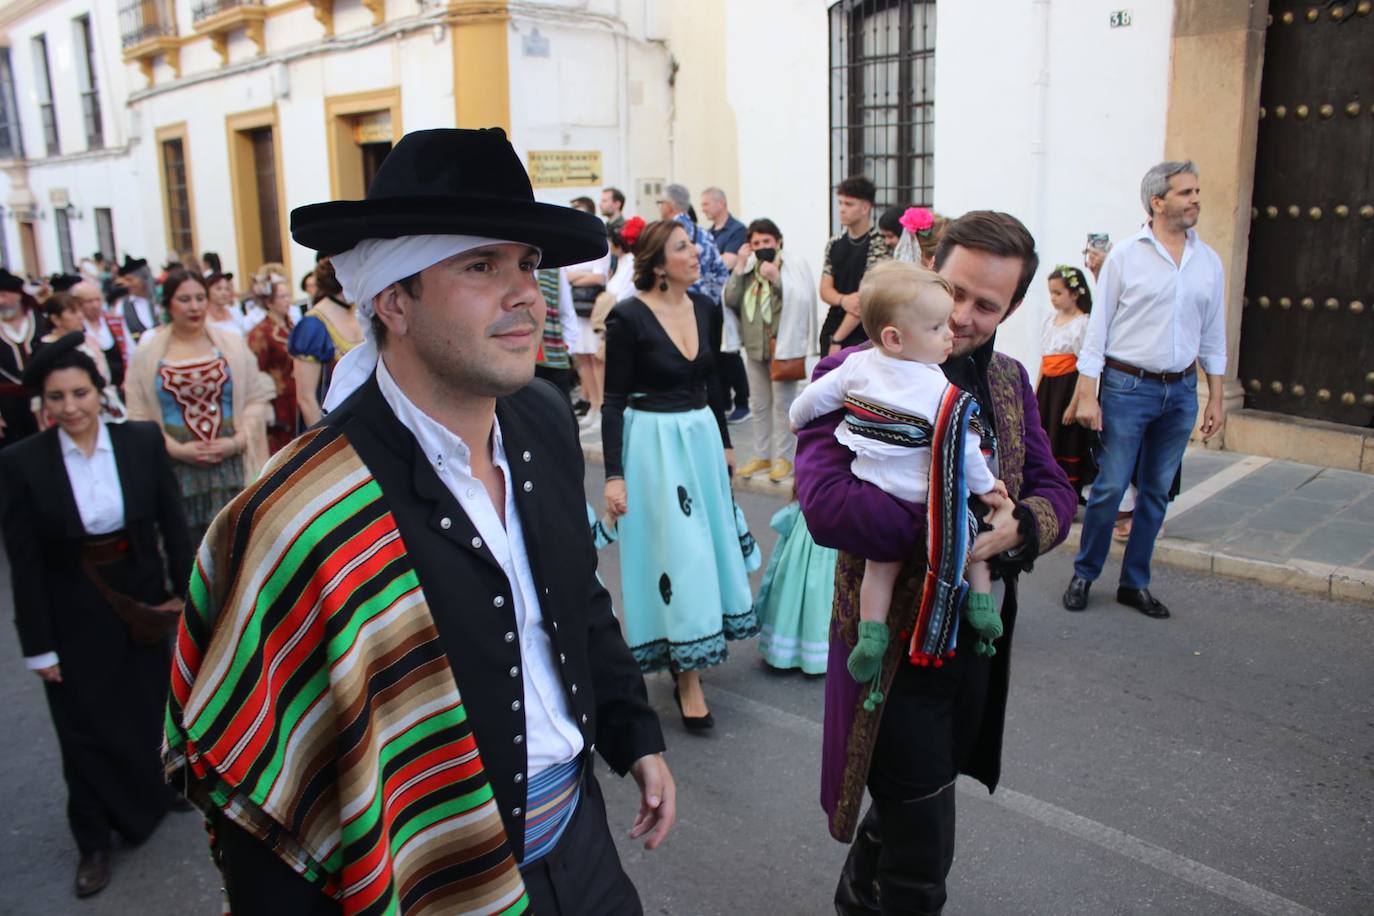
1275 522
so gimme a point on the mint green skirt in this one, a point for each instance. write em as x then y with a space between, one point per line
685 550
795 597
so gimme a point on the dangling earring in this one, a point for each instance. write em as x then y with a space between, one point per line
662 283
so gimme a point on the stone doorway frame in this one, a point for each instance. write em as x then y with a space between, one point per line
1220 44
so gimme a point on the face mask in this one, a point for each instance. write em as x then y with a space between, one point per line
765 254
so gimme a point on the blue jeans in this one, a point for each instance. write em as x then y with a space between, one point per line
1148 422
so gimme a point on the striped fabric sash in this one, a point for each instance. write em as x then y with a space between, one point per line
313 704
877 422
950 531
551 801
553 351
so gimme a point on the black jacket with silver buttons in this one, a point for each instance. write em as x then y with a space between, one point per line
470 597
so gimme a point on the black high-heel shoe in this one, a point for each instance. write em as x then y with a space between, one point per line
693 723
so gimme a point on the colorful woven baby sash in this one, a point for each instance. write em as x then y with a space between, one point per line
313 704
883 424
950 529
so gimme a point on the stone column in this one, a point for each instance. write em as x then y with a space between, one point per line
1214 92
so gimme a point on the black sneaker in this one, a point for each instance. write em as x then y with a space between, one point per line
739 415
581 407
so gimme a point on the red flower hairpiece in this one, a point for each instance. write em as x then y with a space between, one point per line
917 220
631 230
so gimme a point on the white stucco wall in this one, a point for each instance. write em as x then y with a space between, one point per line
1067 165
91 178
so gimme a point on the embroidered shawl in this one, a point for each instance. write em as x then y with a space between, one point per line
313 704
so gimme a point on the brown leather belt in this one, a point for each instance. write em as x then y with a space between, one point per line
1138 372
105 549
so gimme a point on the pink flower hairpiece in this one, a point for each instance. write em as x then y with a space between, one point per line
917 220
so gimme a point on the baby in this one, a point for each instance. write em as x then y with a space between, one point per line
892 395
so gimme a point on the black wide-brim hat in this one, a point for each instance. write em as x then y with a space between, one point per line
9 283
132 264
453 182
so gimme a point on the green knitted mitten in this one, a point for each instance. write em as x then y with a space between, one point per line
867 658
981 614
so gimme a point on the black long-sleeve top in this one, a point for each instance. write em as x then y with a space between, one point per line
647 371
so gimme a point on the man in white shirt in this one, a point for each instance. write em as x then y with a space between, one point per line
1160 310
459 523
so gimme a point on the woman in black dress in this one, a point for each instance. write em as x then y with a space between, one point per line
83 507
685 553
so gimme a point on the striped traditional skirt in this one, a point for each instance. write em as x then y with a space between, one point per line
685 550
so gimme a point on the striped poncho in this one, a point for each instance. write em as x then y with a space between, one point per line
312 702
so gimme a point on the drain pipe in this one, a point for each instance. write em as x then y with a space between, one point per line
1040 116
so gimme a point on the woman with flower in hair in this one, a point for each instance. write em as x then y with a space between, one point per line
1061 337
919 230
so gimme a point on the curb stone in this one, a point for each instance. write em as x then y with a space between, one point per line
1343 583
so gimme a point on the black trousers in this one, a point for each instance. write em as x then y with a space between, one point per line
734 381
582 875
904 848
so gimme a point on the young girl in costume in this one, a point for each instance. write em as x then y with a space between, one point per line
795 596
1061 337
908 426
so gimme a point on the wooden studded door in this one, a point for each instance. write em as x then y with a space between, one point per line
1307 333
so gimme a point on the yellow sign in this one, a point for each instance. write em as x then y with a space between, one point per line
565 168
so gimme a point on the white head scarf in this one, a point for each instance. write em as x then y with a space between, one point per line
367 269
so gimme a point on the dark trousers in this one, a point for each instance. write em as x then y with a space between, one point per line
582 875
734 381
905 845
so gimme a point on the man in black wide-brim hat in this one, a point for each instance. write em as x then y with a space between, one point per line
397 659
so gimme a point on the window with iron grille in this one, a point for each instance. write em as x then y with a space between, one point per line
882 97
11 139
43 82
86 74
63 224
104 232
178 195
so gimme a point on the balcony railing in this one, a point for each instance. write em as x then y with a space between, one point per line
204 9
140 20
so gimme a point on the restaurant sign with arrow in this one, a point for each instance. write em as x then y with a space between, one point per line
565 168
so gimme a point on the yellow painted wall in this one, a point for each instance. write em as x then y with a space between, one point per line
481 65
705 142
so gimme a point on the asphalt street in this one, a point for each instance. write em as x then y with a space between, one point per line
1221 762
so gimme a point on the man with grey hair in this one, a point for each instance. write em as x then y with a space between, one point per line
726 231
674 203
1160 310
729 237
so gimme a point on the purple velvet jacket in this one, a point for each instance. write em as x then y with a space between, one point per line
863 522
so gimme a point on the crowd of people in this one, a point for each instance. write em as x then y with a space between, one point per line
420 474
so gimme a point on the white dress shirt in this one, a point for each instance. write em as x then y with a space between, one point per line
1157 315
552 737
567 312
99 498
144 311
101 332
